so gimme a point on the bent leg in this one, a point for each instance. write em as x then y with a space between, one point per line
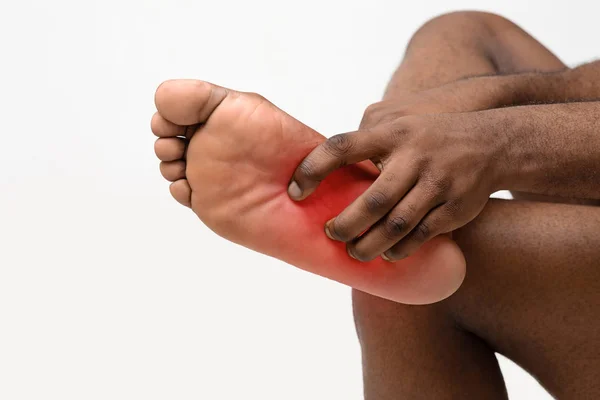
532 290
417 352
532 293
446 49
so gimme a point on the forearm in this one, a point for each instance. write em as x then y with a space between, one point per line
548 149
570 85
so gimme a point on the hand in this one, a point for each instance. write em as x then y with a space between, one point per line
472 94
437 172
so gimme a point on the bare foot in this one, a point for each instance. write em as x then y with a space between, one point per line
231 156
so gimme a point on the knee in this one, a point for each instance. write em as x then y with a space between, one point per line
467 18
472 22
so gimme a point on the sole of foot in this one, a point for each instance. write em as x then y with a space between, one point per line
230 156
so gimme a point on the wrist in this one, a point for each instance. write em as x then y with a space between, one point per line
507 157
534 88
484 92
527 88
489 92
507 90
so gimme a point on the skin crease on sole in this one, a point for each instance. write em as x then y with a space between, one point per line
231 156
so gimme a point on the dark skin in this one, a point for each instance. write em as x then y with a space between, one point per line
442 152
532 291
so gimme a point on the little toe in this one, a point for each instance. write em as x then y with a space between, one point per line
163 128
181 191
173 170
170 149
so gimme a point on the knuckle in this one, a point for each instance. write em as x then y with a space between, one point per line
369 111
339 231
339 145
422 231
404 127
308 169
371 108
399 132
375 201
453 207
394 227
441 184
385 119
422 161
369 116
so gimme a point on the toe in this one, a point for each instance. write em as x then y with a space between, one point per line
173 170
163 128
169 149
187 101
182 192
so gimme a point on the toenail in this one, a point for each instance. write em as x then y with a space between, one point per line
294 190
351 254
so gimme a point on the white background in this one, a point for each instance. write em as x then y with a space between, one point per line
111 290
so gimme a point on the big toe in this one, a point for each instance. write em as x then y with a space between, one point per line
188 101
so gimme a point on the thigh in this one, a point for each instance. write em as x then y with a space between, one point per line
532 290
418 352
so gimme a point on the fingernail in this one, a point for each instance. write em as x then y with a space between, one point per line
349 251
328 231
386 258
294 190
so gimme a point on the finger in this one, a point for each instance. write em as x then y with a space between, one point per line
335 152
387 190
438 221
395 225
